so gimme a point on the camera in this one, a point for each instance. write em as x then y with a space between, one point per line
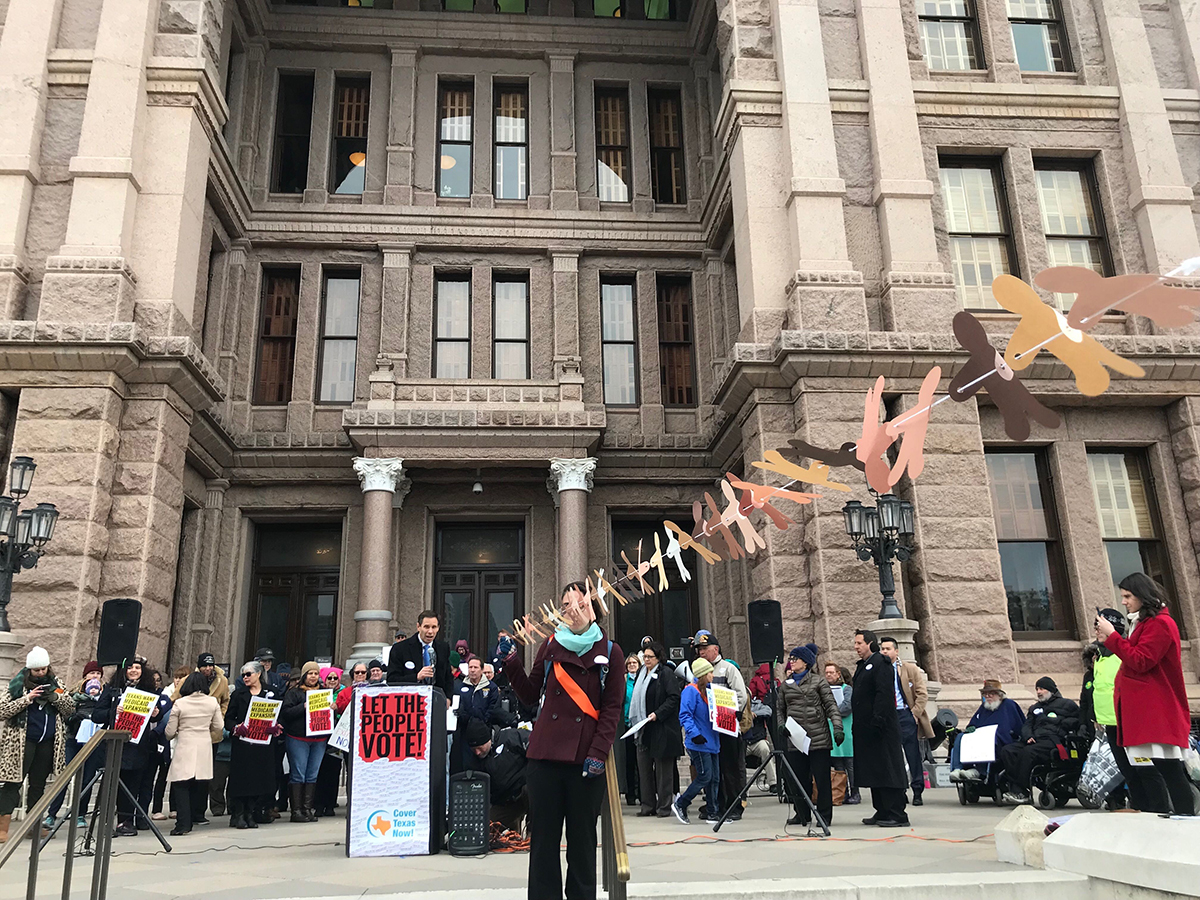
477 487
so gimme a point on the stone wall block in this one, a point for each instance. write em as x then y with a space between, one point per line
179 16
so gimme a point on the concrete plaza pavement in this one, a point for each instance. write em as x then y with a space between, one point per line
283 860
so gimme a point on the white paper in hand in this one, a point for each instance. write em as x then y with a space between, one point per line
797 736
635 729
979 746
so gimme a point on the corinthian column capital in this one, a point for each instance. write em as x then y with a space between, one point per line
572 474
378 474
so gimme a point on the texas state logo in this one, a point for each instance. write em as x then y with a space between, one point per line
379 824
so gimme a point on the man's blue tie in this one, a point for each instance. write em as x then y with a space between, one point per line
425 653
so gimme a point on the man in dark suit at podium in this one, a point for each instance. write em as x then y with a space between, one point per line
422 658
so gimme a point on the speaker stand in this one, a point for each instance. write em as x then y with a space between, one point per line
780 761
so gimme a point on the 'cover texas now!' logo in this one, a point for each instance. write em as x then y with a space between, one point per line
397 823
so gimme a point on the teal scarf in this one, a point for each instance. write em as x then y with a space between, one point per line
578 644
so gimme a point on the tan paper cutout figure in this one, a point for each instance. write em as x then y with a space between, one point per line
733 513
686 542
656 563
675 552
755 496
843 456
1081 353
1143 295
716 525
606 586
874 441
702 533
636 572
912 425
762 494
1004 386
816 474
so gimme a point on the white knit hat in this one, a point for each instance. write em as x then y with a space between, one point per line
38 658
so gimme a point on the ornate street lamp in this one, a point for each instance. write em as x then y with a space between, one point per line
23 535
880 534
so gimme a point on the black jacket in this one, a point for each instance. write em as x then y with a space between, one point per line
662 738
505 764
406 659
1051 720
292 713
134 756
878 753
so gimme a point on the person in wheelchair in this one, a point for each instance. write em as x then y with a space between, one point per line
994 709
1047 724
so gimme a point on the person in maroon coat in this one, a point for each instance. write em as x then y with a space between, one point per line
1151 701
570 743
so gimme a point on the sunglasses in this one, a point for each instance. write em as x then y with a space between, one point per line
247 674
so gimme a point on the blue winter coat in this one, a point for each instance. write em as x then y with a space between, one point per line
1008 717
694 717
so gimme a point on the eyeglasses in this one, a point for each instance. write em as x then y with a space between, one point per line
247 674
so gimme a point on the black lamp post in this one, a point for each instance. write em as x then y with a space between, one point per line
880 534
22 534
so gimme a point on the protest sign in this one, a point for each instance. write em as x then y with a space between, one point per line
396 754
133 713
978 746
318 713
723 710
340 739
260 720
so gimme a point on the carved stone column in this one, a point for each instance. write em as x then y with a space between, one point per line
399 186
378 478
572 479
563 191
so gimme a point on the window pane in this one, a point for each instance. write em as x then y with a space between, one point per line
945 8
948 46
616 312
612 169
337 370
277 343
1066 203
273 620
972 200
1031 9
456 609
454 174
511 6
459 5
976 263
341 306
1026 573
293 122
511 310
658 9
1032 43
1016 496
456 114
453 360
502 609
480 545
620 378
1121 498
288 548
453 309
607 9
318 625
510 173
350 135
510 360
510 117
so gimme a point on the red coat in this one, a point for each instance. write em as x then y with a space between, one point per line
1152 706
563 733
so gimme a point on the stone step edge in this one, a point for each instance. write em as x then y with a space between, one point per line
826 888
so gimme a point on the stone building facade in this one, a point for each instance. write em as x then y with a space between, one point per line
316 314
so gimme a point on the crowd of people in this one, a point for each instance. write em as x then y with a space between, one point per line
838 731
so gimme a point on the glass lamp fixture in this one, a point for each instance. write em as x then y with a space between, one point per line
8 515
907 524
43 518
889 513
853 515
871 525
20 478
24 527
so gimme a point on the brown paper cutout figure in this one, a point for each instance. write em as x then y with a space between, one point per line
656 563
702 533
624 588
675 552
762 494
1044 327
874 441
912 426
716 525
816 474
758 496
1004 386
1144 295
686 541
636 572
733 513
843 456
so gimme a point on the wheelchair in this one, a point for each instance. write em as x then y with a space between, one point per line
1052 785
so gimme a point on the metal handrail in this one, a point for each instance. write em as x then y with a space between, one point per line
614 850
106 803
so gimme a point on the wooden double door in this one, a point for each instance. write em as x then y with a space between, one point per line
479 582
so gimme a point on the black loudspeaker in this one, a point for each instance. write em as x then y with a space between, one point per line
766 631
470 814
119 623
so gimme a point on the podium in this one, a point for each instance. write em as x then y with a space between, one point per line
397 770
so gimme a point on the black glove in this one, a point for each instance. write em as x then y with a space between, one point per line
699 739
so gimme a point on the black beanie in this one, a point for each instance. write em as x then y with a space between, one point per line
477 733
1046 683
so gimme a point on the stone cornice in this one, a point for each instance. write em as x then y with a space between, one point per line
754 103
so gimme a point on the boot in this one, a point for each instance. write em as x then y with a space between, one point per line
308 796
4 822
261 816
294 794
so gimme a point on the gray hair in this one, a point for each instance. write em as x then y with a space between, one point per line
253 666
